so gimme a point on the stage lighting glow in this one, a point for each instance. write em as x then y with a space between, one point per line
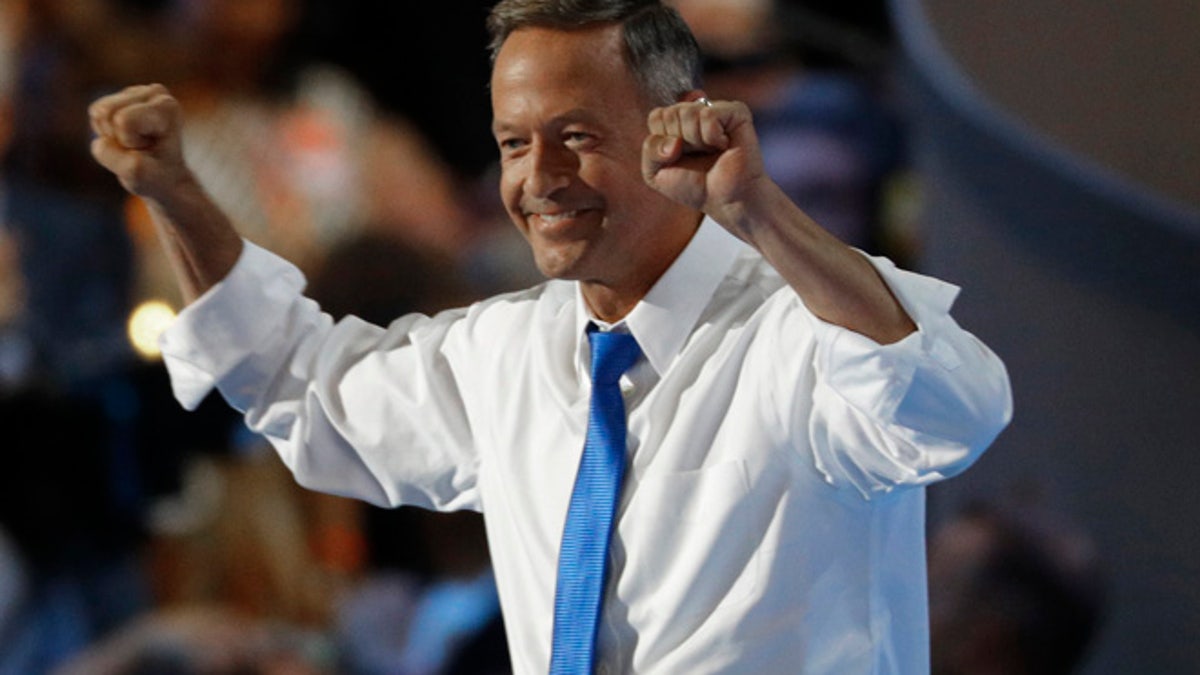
146 323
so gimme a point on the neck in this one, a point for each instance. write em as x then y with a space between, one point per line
612 300
611 304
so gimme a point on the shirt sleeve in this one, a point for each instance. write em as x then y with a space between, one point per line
352 408
908 413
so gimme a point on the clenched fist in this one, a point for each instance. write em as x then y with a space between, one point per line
138 138
704 155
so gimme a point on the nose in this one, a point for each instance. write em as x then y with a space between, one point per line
550 170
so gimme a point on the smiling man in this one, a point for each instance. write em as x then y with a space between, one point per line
743 492
570 152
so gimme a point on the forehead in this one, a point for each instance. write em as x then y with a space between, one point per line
546 64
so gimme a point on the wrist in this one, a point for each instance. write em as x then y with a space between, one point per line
179 193
757 210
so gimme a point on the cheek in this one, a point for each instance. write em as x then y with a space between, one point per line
626 193
510 189
607 177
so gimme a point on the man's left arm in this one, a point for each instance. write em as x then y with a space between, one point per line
896 374
708 157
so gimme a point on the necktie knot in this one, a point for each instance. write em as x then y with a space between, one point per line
612 355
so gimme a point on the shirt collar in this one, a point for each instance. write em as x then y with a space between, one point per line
663 319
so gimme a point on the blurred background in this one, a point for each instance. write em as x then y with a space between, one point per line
1043 156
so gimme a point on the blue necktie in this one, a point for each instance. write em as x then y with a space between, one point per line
584 554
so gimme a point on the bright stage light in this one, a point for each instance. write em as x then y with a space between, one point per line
146 323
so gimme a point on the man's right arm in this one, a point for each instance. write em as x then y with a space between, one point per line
139 138
338 401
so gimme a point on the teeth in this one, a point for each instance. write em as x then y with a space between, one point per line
556 217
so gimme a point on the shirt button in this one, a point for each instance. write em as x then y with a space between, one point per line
627 387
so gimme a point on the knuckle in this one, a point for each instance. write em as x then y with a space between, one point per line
97 149
165 108
123 119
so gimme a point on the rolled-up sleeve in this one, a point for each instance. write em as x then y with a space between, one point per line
352 408
232 322
911 412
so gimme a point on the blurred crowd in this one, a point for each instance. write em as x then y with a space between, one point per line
351 137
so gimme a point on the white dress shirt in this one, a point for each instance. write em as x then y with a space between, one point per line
772 519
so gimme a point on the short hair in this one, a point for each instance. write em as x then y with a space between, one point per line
659 47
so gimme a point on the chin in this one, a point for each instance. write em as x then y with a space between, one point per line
558 271
559 262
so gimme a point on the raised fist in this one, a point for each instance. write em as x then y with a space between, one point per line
138 138
704 155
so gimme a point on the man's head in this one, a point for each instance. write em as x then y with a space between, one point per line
658 46
570 99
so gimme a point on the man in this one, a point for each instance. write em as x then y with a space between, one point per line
790 398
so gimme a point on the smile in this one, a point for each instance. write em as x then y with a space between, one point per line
556 224
552 218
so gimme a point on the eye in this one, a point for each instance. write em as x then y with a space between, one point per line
509 145
579 139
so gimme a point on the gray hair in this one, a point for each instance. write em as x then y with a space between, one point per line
659 47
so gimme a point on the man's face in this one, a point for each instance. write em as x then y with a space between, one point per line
570 120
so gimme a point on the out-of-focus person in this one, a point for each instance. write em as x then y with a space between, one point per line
423 600
299 154
72 543
829 132
205 641
1012 591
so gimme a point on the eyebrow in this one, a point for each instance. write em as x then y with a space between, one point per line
567 117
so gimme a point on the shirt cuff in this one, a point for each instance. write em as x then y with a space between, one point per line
875 378
228 323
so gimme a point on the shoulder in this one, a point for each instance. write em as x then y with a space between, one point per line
514 316
521 306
